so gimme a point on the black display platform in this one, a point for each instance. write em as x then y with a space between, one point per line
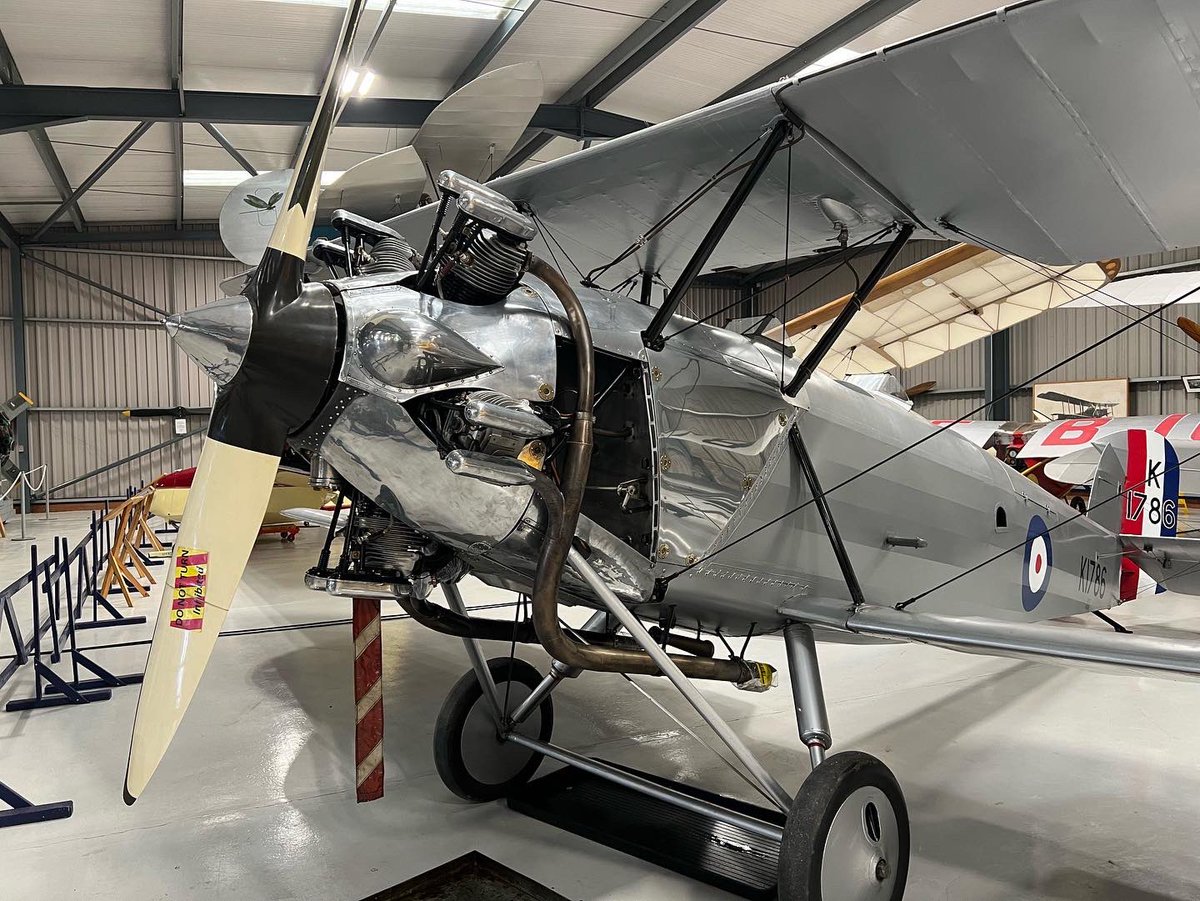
694 845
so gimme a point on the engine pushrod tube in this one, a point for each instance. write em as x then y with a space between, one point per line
652 337
772 789
646 787
810 363
562 514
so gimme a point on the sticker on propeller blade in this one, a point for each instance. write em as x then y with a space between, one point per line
1039 561
189 583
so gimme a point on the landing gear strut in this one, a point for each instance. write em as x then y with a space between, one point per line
846 836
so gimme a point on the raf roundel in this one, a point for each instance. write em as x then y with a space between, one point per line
1039 561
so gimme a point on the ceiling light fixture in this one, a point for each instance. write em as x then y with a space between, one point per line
229 178
459 9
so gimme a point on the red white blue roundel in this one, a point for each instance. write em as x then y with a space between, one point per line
1039 561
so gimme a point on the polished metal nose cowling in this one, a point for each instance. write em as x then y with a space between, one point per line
215 336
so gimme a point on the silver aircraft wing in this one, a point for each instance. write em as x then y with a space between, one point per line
1172 562
1061 130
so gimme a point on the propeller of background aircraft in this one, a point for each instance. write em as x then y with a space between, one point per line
1189 327
918 390
471 132
279 383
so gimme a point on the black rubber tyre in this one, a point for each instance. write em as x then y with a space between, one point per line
869 845
472 759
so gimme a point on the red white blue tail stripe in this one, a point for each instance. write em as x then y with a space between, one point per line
1150 500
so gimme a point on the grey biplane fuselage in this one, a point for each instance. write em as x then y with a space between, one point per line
692 454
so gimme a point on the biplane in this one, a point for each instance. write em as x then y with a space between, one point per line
487 410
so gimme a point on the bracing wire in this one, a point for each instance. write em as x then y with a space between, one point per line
1084 287
1119 495
1133 323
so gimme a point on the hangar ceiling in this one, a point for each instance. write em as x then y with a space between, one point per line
623 62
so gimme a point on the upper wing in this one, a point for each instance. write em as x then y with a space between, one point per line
1062 130
938 304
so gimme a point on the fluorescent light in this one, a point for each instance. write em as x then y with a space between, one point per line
229 178
833 58
356 81
462 9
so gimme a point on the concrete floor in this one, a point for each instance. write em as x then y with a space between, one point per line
1023 780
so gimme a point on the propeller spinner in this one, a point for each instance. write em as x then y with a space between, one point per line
274 386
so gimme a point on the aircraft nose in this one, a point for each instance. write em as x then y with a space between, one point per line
214 336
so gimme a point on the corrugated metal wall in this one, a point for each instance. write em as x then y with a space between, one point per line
91 355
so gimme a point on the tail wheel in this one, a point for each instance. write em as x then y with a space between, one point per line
473 760
847 835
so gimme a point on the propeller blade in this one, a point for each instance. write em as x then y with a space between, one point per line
220 522
476 127
1189 327
280 381
379 188
918 390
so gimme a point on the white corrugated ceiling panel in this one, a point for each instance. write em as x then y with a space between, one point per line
139 187
267 147
566 40
420 56
921 17
736 40
284 46
23 179
257 46
116 43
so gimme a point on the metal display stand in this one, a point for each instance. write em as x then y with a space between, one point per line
25 811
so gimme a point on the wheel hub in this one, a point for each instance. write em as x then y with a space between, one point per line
862 840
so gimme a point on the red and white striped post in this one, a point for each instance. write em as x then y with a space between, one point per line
368 699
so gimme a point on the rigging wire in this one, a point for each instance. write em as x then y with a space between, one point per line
1088 290
1121 494
804 267
937 431
708 184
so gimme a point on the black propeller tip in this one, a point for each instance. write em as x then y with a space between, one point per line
129 799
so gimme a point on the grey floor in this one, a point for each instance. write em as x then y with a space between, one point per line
1024 781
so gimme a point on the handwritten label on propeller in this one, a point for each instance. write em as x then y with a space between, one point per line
189 582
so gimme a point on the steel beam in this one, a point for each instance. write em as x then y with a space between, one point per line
663 28
109 161
508 26
166 232
523 153
839 34
20 372
177 145
51 104
8 234
176 50
229 148
997 374
10 74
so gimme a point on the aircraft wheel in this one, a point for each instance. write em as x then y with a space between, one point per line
846 836
473 761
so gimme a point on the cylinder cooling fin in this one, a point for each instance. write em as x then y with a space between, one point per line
485 251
